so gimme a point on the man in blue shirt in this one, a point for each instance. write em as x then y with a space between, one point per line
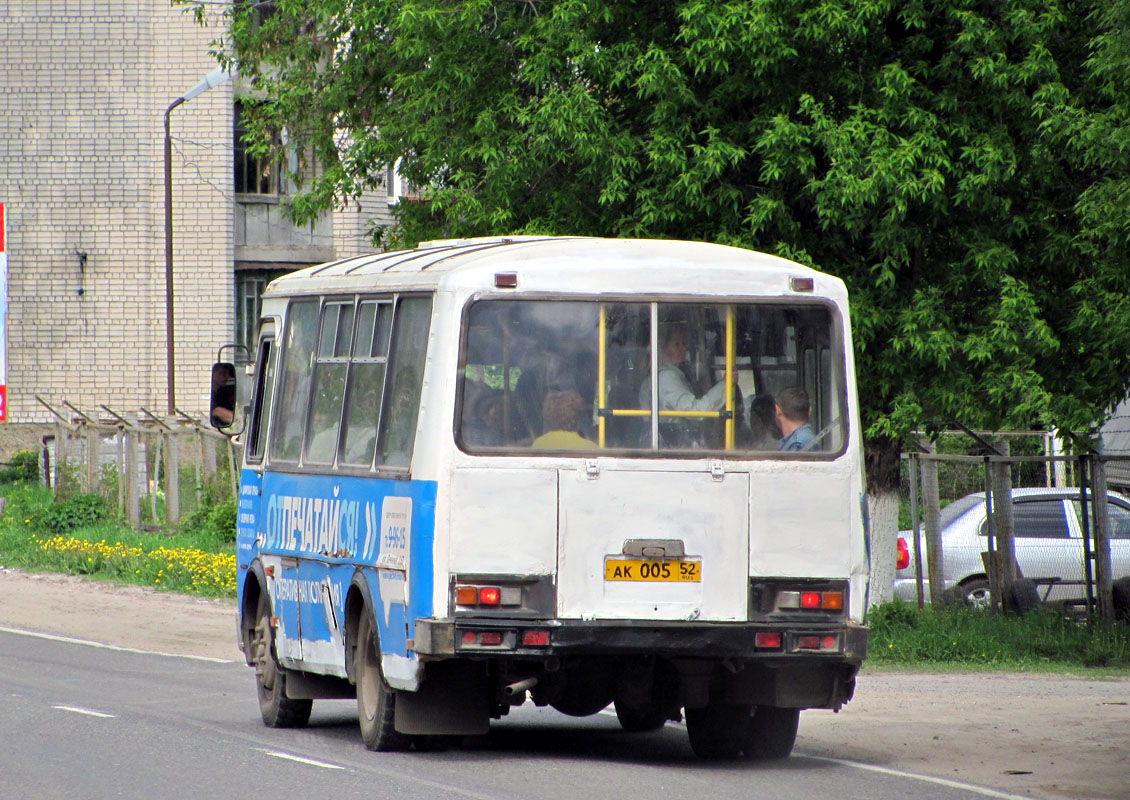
793 409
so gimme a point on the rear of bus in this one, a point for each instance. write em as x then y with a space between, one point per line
649 487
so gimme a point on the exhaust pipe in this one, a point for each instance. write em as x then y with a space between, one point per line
519 687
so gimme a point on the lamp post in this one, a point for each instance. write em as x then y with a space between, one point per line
213 79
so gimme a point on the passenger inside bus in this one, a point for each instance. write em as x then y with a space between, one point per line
792 409
485 422
562 414
763 423
675 392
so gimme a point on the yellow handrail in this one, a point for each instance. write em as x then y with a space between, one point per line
600 377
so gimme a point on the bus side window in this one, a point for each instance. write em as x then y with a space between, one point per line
294 391
406 370
332 362
366 383
261 411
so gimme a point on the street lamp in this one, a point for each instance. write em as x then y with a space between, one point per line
213 79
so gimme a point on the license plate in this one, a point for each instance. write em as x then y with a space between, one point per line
662 570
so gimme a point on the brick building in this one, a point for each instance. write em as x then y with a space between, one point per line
87 83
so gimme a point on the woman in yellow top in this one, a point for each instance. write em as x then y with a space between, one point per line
561 414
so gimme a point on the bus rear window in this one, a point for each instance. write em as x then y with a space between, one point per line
568 376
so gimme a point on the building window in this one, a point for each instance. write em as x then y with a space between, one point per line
254 175
249 286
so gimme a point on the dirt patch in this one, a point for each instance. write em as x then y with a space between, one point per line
127 616
1045 736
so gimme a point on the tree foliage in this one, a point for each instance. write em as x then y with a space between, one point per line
961 164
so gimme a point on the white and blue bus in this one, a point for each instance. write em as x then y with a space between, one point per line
574 471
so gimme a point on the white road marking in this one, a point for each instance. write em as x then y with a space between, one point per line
88 643
86 711
967 787
300 760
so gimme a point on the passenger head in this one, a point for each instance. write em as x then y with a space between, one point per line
763 416
675 344
793 404
561 411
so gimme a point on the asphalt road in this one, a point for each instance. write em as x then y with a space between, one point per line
79 721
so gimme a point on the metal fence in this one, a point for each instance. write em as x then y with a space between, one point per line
156 469
1040 521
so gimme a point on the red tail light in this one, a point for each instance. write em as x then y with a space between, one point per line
903 560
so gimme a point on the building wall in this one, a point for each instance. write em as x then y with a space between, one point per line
87 83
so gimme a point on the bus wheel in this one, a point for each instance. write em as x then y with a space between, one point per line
650 717
719 730
376 700
278 710
772 733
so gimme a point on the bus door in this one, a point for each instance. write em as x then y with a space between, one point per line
650 522
650 544
251 528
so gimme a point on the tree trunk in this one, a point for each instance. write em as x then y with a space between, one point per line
881 457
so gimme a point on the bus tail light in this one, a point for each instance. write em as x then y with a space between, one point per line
827 600
903 560
817 642
767 640
535 639
832 601
478 596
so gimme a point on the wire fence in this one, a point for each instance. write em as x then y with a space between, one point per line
1023 521
157 470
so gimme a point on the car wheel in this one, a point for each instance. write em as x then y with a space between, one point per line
976 594
719 730
772 733
1023 596
649 717
278 710
376 700
1121 591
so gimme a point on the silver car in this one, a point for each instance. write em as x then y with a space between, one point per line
1049 545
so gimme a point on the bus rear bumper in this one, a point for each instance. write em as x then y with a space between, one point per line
762 641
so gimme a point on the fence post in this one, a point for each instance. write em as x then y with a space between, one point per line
1004 563
133 491
1102 541
158 439
232 473
92 441
934 553
915 527
120 443
199 467
172 478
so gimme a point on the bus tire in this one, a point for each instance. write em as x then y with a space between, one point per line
278 710
650 717
718 730
1120 594
772 733
376 700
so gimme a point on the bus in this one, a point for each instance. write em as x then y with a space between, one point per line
572 471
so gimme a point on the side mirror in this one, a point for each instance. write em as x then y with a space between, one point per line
222 410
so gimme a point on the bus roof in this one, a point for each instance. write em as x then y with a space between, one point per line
562 264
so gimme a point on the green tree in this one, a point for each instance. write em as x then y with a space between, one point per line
961 164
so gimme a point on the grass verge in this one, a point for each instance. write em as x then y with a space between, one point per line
960 638
78 537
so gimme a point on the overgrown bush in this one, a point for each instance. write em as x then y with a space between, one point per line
80 511
216 523
22 468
